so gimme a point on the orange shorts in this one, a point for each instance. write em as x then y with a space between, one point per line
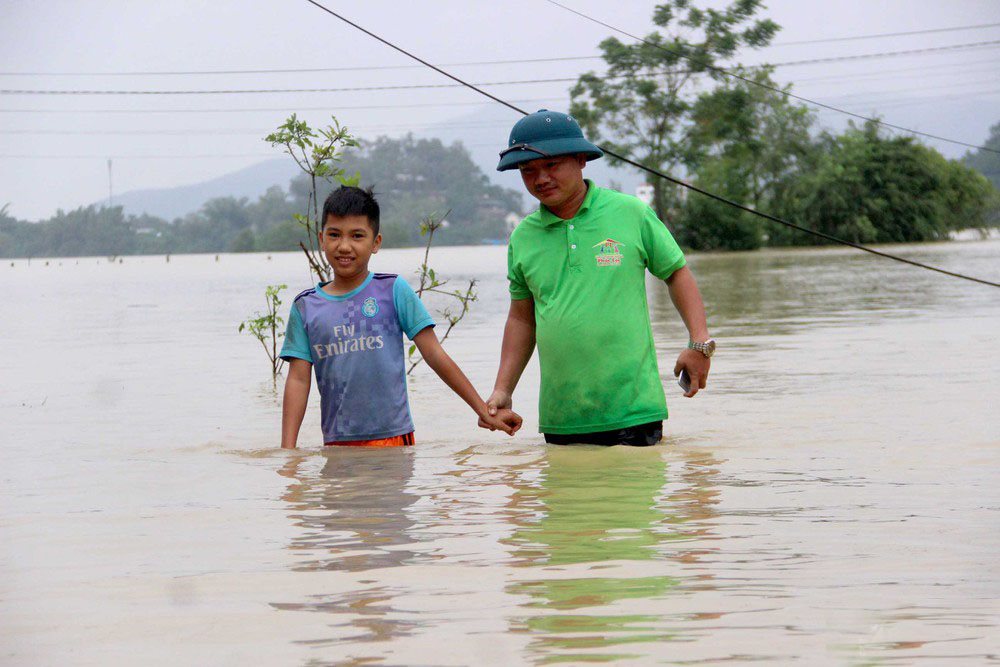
405 440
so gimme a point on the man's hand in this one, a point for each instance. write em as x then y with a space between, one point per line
505 420
498 400
696 364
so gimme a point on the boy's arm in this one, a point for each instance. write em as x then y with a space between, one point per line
515 352
293 404
446 368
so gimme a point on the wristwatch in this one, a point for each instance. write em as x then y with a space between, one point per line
707 348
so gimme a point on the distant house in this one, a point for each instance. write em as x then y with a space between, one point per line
644 191
511 221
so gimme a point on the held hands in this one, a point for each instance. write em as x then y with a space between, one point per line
696 364
505 420
499 415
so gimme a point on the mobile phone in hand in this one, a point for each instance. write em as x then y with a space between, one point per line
684 381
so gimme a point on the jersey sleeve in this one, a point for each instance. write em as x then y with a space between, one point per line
413 316
663 255
515 277
296 345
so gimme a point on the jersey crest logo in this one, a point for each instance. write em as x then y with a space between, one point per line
370 307
609 252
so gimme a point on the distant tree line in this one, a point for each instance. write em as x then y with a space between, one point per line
412 177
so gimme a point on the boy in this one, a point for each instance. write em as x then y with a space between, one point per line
350 330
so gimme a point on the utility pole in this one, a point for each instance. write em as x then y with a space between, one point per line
110 192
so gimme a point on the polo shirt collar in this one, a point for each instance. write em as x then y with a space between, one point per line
549 218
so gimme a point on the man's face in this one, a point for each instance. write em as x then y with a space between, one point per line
348 244
554 180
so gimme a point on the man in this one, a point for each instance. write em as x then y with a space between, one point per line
576 269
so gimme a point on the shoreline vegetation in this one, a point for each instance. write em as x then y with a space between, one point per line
971 235
862 186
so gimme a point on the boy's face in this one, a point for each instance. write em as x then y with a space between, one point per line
348 244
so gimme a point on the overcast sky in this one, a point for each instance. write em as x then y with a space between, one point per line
54 148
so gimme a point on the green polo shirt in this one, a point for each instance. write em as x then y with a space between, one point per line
587 276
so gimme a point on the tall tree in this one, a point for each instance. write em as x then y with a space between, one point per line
987 162
641 107
870 187
749 140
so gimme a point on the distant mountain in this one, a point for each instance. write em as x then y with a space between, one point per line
170 203
483 133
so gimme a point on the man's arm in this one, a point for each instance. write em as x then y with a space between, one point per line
293 404
446 368
687 300
515 351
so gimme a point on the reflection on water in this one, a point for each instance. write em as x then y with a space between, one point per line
351 516
353 512
596 512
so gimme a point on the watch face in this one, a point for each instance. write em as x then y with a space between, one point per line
710 347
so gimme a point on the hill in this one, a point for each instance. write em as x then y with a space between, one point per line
172 203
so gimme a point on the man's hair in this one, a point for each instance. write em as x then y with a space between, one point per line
348 200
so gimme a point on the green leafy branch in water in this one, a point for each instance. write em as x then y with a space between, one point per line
429 283
266 327
317 152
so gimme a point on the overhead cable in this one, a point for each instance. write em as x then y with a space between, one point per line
729 72
273 109
886 34
254 91
363 68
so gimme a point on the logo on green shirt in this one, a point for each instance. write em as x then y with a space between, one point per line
609 252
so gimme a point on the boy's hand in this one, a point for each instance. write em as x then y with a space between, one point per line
505 420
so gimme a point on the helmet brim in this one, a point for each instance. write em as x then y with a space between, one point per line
554 148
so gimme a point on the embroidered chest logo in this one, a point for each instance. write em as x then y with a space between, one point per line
608 253
370 307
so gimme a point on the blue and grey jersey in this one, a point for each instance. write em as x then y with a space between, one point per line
355 343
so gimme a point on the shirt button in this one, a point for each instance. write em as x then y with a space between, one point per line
572 226
573 246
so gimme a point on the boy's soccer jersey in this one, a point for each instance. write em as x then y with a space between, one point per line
355 343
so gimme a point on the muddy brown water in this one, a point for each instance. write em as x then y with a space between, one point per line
832 498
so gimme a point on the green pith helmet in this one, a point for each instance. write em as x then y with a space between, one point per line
545 134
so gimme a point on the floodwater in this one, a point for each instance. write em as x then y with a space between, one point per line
832 498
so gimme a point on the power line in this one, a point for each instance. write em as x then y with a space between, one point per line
362 128
103 156
887 34
883 73
231 131
249 91
327 108
767 87
298 70
728 72
657 172
316 70
242 109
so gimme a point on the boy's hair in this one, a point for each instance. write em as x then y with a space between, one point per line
348 200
